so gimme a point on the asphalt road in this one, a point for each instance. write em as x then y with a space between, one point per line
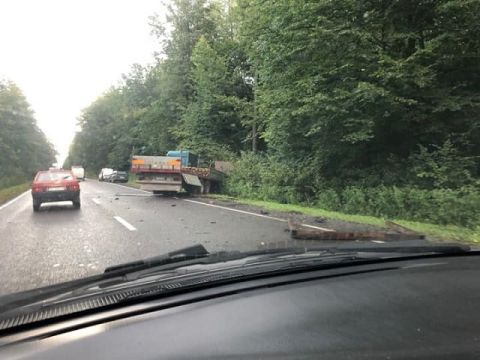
115 224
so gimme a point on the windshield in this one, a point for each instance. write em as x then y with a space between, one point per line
238 125
54 176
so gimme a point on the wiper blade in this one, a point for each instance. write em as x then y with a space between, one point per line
188 253
446 249
28 297
199 251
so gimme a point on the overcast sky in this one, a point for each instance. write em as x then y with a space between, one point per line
65 53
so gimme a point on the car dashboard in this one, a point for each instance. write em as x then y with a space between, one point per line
422 309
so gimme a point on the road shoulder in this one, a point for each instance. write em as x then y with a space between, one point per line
346 222
338 221
11 192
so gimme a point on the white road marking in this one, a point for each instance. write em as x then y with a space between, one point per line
226 208
378 241
317 227
137 195
129 187
254 214
14 199
125 223
96 201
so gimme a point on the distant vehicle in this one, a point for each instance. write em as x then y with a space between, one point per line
118 176
159 174
104 174
79 172
173 173
55 185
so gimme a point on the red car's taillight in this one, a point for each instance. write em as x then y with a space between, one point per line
73 187
36 188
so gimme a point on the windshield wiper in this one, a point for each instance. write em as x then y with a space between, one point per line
188 253
199 252
445 249
269 260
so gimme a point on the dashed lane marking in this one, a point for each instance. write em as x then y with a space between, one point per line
125 223
229 209
96 201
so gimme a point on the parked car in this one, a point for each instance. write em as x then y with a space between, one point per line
79 172
118 176
104 174
55 185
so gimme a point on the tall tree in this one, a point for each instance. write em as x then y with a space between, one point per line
351 88
339 91
212 124
23 146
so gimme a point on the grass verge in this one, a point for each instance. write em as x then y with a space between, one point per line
10 192
439 232
131 181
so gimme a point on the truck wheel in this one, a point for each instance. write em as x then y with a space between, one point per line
76 204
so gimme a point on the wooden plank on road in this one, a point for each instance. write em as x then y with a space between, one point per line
299 232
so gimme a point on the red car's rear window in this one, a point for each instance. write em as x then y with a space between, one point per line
54 176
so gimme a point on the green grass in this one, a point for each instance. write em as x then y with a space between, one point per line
131 181
91 175
437 232
12 191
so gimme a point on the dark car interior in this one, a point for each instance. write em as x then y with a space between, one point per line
410 309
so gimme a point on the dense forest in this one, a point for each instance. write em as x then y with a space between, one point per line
361 106
24 148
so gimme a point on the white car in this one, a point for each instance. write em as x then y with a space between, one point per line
105 173
78 172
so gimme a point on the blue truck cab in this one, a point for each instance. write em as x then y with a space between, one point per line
188 158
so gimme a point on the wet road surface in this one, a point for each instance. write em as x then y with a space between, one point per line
115 224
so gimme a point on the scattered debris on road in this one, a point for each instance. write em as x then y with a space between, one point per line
172 205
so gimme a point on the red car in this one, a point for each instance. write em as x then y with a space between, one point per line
55 185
